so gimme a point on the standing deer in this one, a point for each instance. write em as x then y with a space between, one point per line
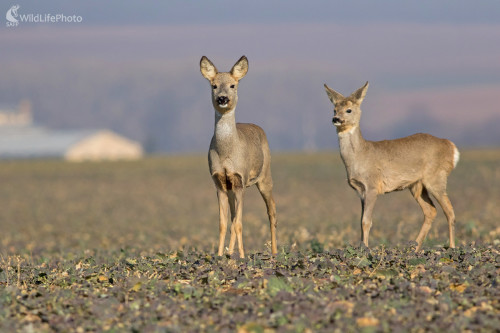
420 162
238 157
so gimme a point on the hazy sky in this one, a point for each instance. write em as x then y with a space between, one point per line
438 57
120 12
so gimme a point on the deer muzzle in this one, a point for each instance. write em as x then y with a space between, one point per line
222 100
337 121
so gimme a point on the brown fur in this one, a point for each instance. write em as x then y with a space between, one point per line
238 157
420 162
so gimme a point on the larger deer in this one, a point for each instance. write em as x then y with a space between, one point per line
420 162
238 157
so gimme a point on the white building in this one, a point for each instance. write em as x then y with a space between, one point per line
19 139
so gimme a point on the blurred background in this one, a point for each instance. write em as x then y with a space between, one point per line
133 67
126 81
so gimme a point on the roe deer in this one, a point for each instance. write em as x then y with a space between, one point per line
420 162
238 157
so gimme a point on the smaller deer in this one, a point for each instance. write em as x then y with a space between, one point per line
420 162
238 157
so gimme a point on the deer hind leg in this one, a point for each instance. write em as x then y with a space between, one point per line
265 189
439 192
450 215
421 195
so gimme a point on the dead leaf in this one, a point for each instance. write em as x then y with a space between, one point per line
419 269
345 306
425 289
458 287
367 321
136 287
470 312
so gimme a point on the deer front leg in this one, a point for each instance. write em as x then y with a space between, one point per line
223 204
232 207
367 204
238 223
236 207
235 184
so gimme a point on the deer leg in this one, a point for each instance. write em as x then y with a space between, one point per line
236 205
450 215
266 191
232 207
438 190
422 197
223 203
445 203
238 223
367 204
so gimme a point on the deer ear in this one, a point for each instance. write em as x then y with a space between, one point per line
207 69
333 95
360 94
240 68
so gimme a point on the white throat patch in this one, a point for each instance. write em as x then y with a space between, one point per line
224 123
349 132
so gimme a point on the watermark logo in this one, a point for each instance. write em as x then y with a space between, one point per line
12 15
14 18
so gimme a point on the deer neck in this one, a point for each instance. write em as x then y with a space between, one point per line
225 134
352 145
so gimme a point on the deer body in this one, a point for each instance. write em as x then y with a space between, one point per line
420 162
237 149
238 157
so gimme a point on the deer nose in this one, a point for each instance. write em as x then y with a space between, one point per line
221 100
336 120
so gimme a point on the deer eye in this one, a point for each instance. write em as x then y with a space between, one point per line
214 86
231 86
348 110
